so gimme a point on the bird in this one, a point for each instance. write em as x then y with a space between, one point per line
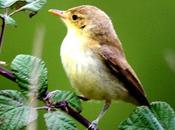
94 60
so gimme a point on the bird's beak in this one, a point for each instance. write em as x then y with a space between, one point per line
57 13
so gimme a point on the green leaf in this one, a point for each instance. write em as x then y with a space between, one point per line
34 5
30 6
58 120
7 3
164 114
14 110
18 4
70 97
160 117
8 20
31 74
141 118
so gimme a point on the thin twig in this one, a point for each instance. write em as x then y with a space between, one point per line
7 74
64 106
2 31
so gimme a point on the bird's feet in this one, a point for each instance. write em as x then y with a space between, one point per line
93 125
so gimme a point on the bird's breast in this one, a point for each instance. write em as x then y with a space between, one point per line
86 71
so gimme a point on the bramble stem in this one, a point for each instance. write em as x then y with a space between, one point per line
2 31
7 74
63 105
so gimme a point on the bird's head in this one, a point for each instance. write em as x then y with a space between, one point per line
86 19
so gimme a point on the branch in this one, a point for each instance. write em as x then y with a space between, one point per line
65 107
2 31
7 74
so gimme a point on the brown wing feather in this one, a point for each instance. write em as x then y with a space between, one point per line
116 61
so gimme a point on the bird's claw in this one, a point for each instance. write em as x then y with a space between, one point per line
93 126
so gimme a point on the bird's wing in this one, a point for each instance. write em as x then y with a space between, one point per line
116 62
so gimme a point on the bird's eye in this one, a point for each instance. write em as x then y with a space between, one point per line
74 17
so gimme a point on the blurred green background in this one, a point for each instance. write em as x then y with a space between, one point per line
146 29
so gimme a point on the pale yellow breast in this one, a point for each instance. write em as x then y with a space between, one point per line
86 71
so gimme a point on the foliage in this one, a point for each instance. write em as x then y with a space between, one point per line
160 117
30 73
59 121
69 97
15 110
13 6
